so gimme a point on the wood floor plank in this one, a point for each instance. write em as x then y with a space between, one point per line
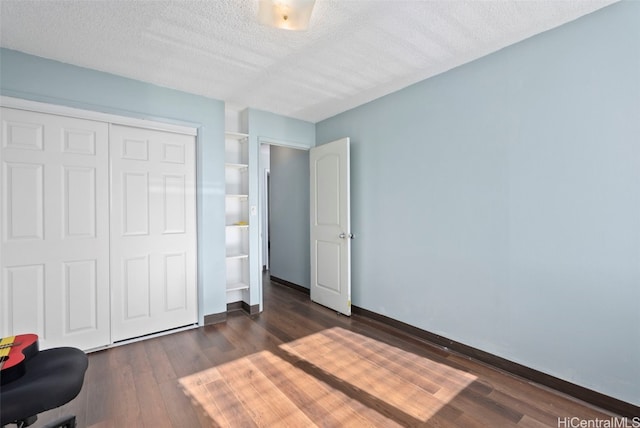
184 354
159 361
526 407
134 355
265 402
127 404
99 391
232 412
196 387
152 406
530 422
182 411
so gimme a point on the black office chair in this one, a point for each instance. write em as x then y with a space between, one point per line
52 378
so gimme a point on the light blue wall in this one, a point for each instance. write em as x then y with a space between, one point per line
289 214
39 79
498 204
279 129
267 128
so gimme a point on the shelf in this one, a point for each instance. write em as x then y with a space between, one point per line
236 149
236 135
236 165
243 225
237 286
235 256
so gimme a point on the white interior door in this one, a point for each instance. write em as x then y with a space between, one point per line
153 231
54 250
331 226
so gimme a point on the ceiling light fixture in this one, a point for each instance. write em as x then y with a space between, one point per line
286 14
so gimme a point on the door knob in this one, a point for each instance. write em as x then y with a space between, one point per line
345 235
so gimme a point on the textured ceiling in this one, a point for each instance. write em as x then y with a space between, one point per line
354 51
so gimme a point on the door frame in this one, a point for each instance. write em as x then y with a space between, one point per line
264 221
60 110
261 205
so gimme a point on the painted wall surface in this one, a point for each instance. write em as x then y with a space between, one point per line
498 204
39 79
290 241
267 128
279 129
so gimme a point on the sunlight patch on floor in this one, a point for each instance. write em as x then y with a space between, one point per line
415 385
332 378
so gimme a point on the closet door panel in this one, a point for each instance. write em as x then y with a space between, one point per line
80 284
54 248
153 235
23 198
23 287
174 207
135 203
80 202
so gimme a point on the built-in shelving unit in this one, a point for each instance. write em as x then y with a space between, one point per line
237 215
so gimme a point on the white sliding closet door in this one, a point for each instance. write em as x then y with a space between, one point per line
153 231
54 239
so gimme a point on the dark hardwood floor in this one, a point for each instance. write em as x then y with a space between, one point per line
300 364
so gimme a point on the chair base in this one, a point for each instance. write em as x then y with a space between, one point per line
66 422
23 423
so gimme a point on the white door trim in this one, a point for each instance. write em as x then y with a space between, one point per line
283 143
36 106
261 198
